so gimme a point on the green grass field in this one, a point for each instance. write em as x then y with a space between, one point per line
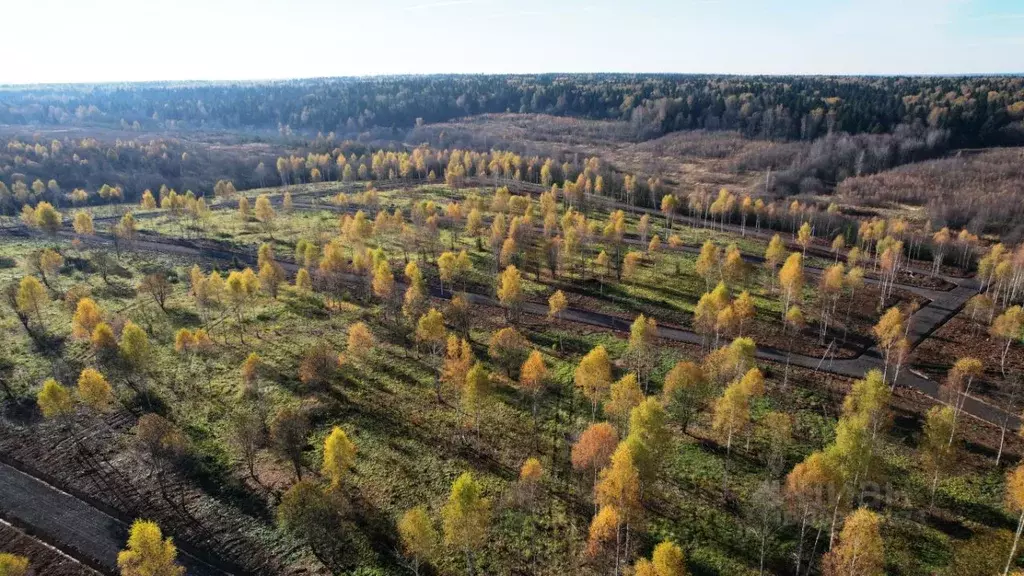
410 447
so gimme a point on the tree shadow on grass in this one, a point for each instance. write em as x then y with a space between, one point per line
634 304
575 344
907 425
115 291
305 306
982 450
48 344
983 514
375 531
183 317
948 526
217 480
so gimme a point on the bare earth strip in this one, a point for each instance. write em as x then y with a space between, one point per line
43 558
79 529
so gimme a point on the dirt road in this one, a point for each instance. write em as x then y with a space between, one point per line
72 525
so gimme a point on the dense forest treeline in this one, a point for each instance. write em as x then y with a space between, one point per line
976 111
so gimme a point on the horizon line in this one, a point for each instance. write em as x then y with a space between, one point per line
270 80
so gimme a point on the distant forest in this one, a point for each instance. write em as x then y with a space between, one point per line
973 111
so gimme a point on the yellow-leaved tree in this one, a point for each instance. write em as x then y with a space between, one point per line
510 292
604 530
457 362
594 376
734 268
134 346
791 279
802 493
667 560
148 201
103 341
54 400
957 387
625 395
773 256
13 565
1008 327
556 306
532 377
1015 502
804 236
30 299
669 203
430 331
95 391
243 208
685 392
476 392
339 455
83 224
303 281
641 349
887 332
47 218
731 413
707 263
446 268
860 550
938 452
630 263
49 265
360 343
418 536
618 487
265 213
529 476
649 438
466 518
87 316
148 553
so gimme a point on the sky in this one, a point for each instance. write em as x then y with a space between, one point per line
144 40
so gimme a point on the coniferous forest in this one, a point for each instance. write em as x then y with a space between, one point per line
976 111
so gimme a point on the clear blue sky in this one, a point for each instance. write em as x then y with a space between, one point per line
127 40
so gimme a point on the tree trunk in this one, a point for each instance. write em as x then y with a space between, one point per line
764 539
814 549
1002 359
800 544
1016 539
